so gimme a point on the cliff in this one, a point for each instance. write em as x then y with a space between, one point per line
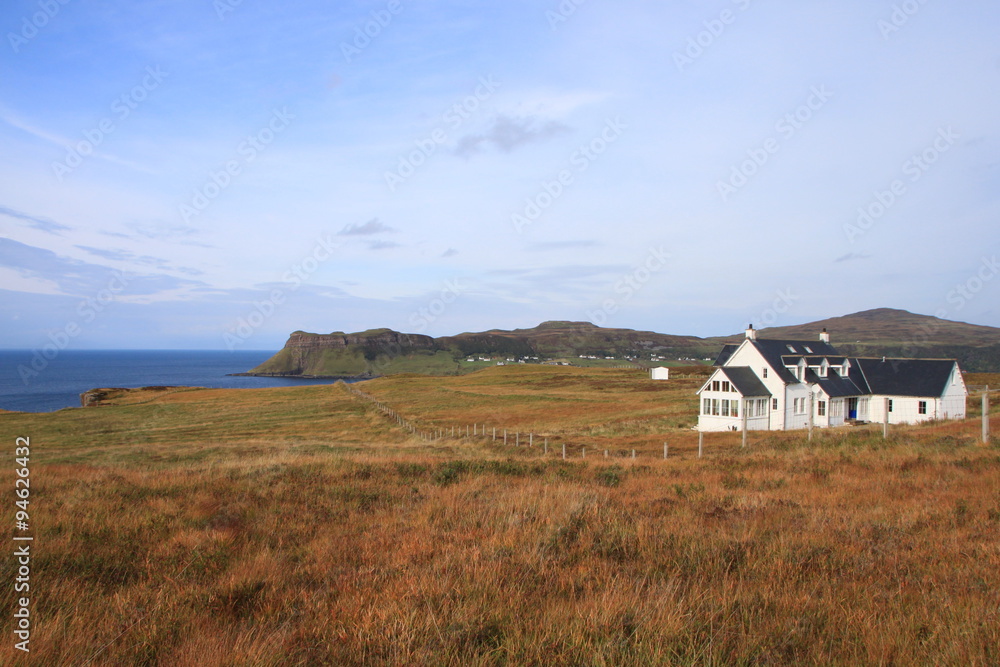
377 352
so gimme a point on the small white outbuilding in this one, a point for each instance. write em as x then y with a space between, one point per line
659 373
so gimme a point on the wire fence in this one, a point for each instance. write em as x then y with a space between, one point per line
888 417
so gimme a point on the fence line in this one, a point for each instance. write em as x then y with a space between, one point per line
495 434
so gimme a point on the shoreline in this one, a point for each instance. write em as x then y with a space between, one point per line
291 376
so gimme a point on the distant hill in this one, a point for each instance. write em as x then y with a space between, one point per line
886 326
879 332
899 333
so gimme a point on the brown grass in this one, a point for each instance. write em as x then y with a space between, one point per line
299 526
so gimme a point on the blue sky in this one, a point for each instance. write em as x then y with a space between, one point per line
199 174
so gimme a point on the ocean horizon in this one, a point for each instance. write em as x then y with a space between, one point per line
32 383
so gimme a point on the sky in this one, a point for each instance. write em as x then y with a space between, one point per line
215 174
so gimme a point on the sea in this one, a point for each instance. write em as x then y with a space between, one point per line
32 383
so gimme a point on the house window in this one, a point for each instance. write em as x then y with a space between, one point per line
890 405
774 404
836 408
922 407
822 371
821 408
715 407
725 386
706 406
734 408
761 407
715 385
764 374
809 349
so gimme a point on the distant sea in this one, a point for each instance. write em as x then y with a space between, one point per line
59 384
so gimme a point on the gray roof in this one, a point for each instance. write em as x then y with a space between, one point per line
745 380
889 377
902 377
834 385
727 351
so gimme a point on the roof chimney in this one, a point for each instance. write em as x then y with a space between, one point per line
824 336
751 333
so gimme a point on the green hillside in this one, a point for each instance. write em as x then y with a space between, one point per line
377 352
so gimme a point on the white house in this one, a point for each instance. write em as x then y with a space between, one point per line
659 373
787 384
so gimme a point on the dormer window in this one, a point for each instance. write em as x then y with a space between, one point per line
822 371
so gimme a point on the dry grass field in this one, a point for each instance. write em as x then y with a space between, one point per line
300 526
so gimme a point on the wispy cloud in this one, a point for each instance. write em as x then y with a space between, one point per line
15 121
147 260
508 133
450 252
382 245
42 224
373 226
852 256
77 278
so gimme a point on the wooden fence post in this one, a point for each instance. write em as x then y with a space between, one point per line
701 439
809 420
743 413
986 414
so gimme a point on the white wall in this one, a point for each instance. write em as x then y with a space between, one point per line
952 403
793 420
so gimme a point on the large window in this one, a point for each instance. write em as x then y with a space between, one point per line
761 407
715 407
706 406
836 408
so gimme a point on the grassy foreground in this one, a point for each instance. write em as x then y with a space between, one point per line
300 526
